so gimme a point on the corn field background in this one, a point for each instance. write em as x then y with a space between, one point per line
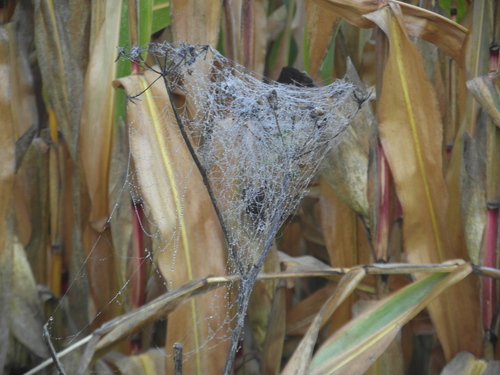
390 264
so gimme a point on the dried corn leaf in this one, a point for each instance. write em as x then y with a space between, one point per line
419 22
132 322
97 116
411 134
346 169
196 21
486 90
466 364
185 217
319 25
59 67
275 334
26 313
354 348
466 110
473 189
298 364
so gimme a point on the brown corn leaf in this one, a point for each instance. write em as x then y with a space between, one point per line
253 35
301 315
186 221
97 115
466 109
356 43
473 190
419 22
299 362
435 29
196 21
351 11
119 198
60 70
319 24
267 303
348 178
486 90
35 187
354 347
26 313
411 134
80 15
275 334
132 322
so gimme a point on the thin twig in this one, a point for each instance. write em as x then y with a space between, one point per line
177 358
52 351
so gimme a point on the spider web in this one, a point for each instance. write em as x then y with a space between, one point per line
248 145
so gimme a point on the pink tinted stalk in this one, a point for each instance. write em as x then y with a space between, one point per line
489 293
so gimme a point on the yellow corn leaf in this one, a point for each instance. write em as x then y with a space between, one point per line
353 348
186 220
419 22
297 365
411 134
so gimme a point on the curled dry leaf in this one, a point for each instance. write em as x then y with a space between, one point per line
419 22
486 90
346 165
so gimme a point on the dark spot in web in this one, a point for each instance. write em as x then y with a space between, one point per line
292 76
